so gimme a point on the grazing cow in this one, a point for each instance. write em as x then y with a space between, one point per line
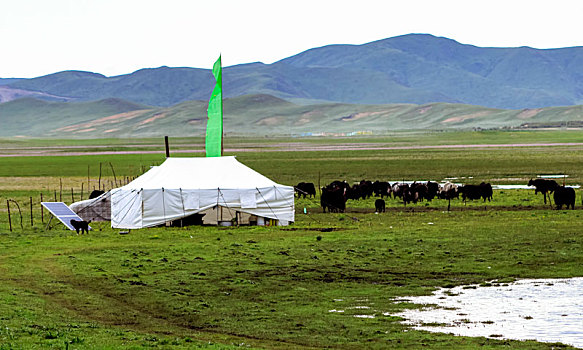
449 191
409 195
334 197
353 192
470 192
543 186
564 195
486 191
379 205
398 188
366 189
432 190
305 189
419 191
381 188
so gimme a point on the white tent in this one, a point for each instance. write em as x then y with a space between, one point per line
180 187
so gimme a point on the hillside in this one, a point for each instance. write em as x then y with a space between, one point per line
37 118
413 68
8 81
258 115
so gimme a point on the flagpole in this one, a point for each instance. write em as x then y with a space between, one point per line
214 128
222 111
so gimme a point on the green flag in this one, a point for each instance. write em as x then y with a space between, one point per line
214 126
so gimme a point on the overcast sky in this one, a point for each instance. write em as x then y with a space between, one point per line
113 37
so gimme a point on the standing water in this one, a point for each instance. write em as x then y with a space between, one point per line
545 310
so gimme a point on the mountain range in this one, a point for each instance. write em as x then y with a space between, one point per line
406 73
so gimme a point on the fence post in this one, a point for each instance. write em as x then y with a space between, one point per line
55 195
72 196
9 219
99 181
42 212
113 171
60 190
81 190
31 222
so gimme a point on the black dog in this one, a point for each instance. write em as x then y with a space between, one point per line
80 225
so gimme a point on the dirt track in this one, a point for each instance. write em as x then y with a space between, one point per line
283 147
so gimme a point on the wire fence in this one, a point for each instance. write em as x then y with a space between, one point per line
28 212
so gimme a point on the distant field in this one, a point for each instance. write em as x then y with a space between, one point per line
402 156
274 287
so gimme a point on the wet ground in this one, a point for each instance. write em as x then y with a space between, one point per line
545 310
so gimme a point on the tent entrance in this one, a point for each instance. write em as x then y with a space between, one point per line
222 216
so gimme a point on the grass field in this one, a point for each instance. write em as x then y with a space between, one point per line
274 287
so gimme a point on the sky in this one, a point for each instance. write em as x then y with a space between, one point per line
115 37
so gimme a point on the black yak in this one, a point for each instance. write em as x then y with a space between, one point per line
305 189
379 205
564 196
543 186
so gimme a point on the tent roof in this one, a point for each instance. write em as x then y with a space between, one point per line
201 173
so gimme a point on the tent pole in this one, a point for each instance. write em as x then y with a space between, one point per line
218 194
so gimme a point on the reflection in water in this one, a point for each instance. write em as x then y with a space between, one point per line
549 310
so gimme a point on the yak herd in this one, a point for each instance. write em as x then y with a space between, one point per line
334 195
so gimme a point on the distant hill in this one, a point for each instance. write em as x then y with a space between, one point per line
415 68
8 81
258 115
8 93
158 87
38 118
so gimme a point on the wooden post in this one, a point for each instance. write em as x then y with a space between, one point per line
72 196
31 223
42 212
113 172
60 190
9 220
99 182
55 195
168 147
81 190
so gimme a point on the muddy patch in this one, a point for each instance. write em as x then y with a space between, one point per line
545 310
320 229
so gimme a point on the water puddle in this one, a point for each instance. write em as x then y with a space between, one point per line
545 310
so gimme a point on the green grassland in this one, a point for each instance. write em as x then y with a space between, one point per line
274 287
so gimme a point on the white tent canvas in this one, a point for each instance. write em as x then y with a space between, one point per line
180 187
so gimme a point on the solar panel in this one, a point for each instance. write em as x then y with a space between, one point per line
62 212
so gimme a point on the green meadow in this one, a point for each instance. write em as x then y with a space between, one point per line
274 287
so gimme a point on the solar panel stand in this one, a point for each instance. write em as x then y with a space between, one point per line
48 227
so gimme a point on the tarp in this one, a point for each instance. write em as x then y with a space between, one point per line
95 209
180 187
